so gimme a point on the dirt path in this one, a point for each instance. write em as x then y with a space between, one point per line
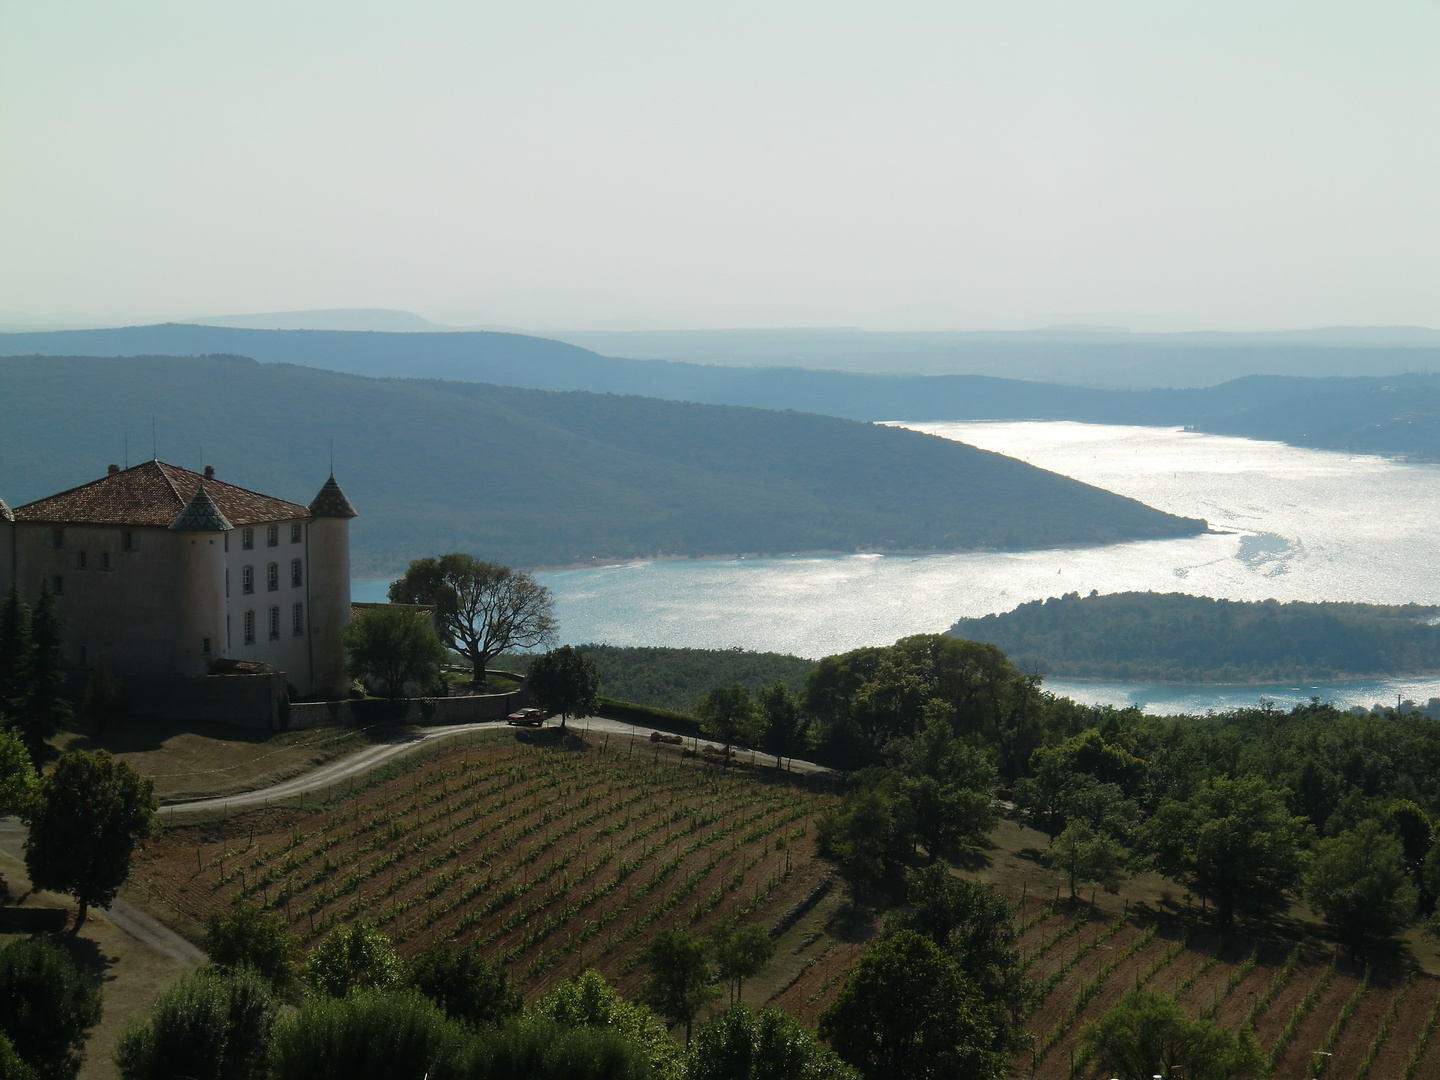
405 742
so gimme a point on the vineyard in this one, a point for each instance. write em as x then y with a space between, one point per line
549 859
1311 1014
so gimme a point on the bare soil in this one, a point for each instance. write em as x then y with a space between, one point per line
1400 1044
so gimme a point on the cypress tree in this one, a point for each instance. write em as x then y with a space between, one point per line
43 709
14 653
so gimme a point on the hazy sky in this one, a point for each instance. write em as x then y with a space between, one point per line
892 165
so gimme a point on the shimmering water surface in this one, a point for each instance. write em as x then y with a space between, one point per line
1297 525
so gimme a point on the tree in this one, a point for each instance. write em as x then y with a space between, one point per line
728 713
908 1013
85 819
946 784
105 702
1146 1032
11 1067
42 710
1359 883
15 641
1412 825
677 979
247 937
1234 842
373 1034
590 1001
565 681
768 1045
17 777
1085 855
210 1024
531 1049
485 608
47 1007
396 645
354 957
976 928
783 724
741 952
861 835
466 985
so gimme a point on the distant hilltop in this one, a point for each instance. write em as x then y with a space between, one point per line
1177 638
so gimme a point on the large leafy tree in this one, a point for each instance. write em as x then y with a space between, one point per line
47 1007
728 713
1146 1031
1233 842
463 983
485 608
17 777
768 1045
782 721
85 819
1085 854
395 644
1359 882
15 622
909 1013
740 953
589 1001
248 937
677 977
354 956
976 928
565 681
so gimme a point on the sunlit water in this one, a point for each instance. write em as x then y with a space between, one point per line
1298 525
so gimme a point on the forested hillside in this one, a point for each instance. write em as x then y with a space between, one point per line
531 478
1173 637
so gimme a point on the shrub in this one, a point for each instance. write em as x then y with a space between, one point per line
1145 1031
354 957
246 937
769 1045
11 1067
539 1049
370 1035
591 1001
465 984
47 1007
211 1025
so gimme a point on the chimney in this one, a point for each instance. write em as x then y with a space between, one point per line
114 469
209 472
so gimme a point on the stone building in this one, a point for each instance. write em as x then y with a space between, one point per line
167 576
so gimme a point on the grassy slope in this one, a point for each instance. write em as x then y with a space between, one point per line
1180 638
532 478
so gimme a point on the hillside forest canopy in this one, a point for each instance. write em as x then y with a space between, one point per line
532 478
1174 637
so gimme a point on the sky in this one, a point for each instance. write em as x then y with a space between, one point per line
895 165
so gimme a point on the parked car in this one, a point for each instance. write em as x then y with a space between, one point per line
527 717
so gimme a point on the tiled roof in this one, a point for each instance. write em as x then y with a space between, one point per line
153 493
202 515
331 502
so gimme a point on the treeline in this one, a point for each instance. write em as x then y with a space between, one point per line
1173 637
677 679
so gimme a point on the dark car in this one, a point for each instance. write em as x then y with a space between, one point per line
527 717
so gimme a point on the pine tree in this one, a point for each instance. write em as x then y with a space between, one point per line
43 710
14 652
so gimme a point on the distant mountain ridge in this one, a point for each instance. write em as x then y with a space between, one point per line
537 478
1383 414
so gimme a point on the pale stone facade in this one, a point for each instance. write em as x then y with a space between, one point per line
160 572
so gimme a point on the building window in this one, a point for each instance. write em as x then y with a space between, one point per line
227 583
295 532
272 536
205 646
127 542
249 628
226 538
296 573
84 655
79 560
57 585
57 537
297 619
247 538
274 623
228 645
106 562
247 580
272 577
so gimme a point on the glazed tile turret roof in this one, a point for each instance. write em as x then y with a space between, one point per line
201 515
154 493
331 502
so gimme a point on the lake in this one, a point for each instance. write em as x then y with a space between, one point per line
1294 524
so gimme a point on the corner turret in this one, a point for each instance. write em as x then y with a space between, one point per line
328 555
